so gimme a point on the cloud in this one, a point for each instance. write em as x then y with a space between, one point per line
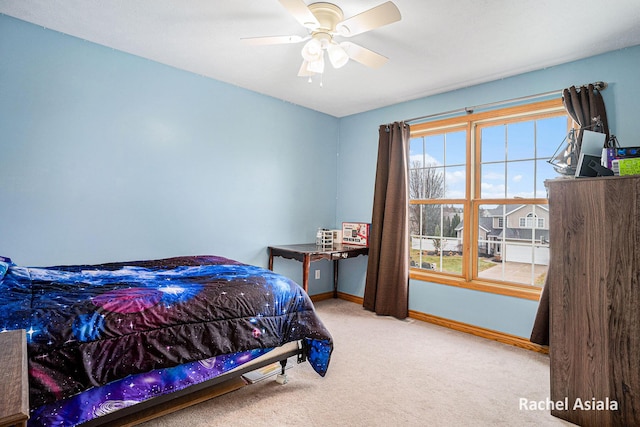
492 187
417 158
455 177
492 191
493 176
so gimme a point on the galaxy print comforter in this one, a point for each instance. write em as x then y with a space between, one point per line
93 325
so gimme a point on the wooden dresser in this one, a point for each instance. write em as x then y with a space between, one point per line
594 291
14 386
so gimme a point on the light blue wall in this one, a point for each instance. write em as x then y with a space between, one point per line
105 156
357 154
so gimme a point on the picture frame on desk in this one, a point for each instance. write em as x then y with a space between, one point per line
590 166
355 233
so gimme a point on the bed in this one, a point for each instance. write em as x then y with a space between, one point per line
106 341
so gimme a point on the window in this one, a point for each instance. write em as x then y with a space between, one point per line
478 212
528 221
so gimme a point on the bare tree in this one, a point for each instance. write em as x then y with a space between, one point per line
425 182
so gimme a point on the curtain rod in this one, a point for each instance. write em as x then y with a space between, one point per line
469 110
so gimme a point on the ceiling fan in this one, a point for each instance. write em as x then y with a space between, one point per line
324 22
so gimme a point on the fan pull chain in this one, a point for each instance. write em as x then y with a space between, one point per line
310 80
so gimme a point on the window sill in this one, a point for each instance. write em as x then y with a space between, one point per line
512 290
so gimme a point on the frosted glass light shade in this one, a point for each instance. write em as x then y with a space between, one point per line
312 50
317 66
337 55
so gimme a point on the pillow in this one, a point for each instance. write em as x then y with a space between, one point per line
5 263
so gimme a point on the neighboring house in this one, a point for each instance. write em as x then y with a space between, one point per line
523 232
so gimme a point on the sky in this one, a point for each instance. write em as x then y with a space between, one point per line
513 157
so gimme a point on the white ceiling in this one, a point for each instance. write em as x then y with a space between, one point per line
439 45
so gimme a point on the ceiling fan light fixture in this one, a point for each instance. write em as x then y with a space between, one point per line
316 66
304 70
312 50
337 55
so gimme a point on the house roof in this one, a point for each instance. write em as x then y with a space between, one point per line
509 209
486 223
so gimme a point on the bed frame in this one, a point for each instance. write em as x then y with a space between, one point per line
197 393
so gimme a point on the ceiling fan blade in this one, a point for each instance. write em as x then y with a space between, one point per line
363 55
376 17
301 13
261 41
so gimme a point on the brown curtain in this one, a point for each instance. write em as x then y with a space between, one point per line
586 107
540 332
387 285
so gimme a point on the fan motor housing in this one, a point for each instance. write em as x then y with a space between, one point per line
328 15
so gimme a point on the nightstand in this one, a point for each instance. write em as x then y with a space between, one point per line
14 383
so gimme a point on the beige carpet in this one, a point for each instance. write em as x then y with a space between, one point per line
387 372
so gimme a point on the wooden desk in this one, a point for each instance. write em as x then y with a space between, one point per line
14 384
309 252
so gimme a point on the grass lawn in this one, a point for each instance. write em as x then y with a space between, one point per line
453 264
450 263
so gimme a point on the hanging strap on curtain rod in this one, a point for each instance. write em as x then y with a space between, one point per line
469 110
387 127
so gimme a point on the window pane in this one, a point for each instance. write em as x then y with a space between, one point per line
493 144
520 179
527 146
544 171
416 152
456 152
492 183
437 166
426 183
436 237
517 252
549 134
419 156
455 182
521 141
435 148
